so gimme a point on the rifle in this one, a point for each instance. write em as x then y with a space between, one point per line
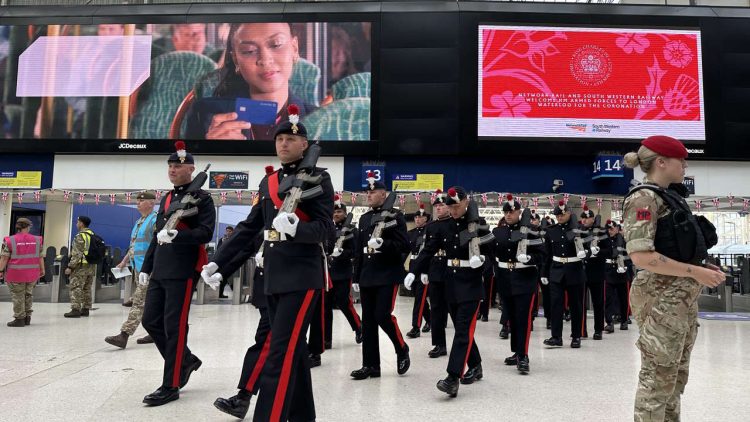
346 232
186 207
292 186
522 235
471 234
385 219
597 233
574 234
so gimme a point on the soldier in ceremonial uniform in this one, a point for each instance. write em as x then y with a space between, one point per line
170 268
617 283
378 271
421 308
595 274
665 292
565 274
437 276
464 286
517 279
294 270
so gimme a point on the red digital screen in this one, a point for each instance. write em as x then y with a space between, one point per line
556 82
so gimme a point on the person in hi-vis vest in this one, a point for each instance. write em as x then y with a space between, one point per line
22 264
140 239
80 272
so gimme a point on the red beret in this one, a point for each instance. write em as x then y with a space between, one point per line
665 146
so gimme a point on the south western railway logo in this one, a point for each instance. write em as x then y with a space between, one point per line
590 65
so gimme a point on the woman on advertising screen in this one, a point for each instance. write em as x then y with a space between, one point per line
258 64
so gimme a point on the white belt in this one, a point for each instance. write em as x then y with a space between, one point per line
273 236
511 265
566 260
370 250
459 263
610 261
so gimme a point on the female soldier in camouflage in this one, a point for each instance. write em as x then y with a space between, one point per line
664 295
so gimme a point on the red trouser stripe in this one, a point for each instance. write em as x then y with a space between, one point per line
472 327
286 369
393 317
182 333
250 386
421 307
357 321
528 325
566 300
323 319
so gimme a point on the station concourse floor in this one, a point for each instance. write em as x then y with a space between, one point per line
61 369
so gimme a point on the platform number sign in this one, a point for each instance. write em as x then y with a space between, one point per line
608 166
378 170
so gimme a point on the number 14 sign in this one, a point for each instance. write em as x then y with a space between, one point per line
608 166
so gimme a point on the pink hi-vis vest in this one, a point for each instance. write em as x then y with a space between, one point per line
23 266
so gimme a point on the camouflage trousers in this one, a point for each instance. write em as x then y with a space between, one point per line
136 311
23 298
666 310
81 280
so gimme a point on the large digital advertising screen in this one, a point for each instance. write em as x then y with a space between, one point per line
571 82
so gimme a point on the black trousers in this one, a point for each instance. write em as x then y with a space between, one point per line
489 296
504 314
315 343
575 304
617 301
285 387
421 308
377 311
439 313
546 301
340 297
464 350
596 290
256 355
520 310
165 318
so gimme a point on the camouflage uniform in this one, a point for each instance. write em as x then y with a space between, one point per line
666 310
21 293
83 274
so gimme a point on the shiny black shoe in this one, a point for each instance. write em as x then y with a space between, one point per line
623 327
413 333
403 361
554 342
188 370
523 365
426 328
513 360
575 343
485 318
314 360
365 372
437 351
449 385
235 406
504 334
597 336
358 336
473 374
609 329
162 395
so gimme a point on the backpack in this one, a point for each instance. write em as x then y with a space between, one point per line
97 249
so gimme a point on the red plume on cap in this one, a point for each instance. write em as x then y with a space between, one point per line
370 174
421 206
561 203
269 170
292 109
438 191
336 198
451 192
509 197
585 207
609 222
179 145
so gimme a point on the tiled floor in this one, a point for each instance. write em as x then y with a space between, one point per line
60 369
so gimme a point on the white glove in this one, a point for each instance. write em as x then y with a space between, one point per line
375 243
259 259
214 281
209 269
337 252
286 223
409 280
355 287
476 261
143 278
545 281
621 270
523 259
581 254
424 279
166 236
595 250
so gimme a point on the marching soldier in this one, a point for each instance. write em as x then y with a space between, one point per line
170 269
294 269
668 243
421 308
464 284
595 273
517 278
437 276
378 270
565 274
617 282
140 240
